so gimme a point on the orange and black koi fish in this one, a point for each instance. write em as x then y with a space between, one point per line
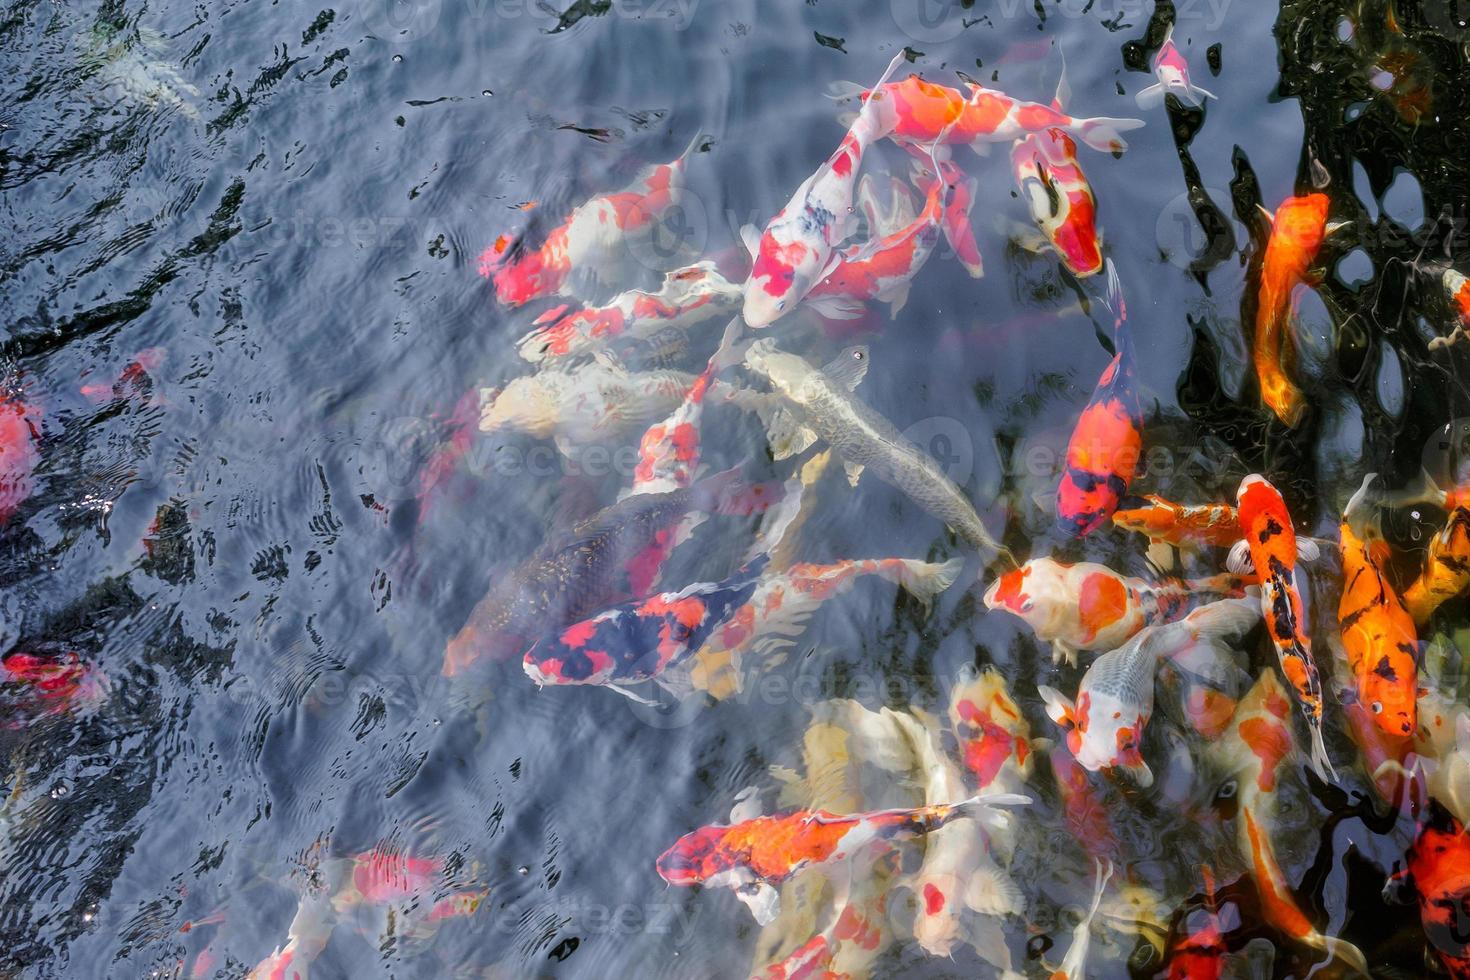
1377 631
1107 440
1446 568
1266 526
1297 231
1437 873
754 856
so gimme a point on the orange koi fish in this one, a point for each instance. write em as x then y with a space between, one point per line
1107 440
1437 874
1087 606
923 113
1158 519
1390 760
754 856
883 268
1257 744
1297 231
797 249
687 298
1377 631
1446 568
38 686
1266 526
590 246
1044 165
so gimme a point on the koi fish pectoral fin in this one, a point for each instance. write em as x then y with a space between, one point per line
854 472
750 236
763 901
1059 708
787 436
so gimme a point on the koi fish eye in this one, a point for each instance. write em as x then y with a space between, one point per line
1037 946
1377 707
1226 791
781 305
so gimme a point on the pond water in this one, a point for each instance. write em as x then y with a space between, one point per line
243 309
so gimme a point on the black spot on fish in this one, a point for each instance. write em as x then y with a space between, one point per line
1385 670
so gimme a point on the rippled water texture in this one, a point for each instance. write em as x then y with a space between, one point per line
238 273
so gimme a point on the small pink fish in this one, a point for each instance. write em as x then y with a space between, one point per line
591 245
1058 195
1172 72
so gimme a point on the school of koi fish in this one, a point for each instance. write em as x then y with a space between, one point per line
1264 666
1343 703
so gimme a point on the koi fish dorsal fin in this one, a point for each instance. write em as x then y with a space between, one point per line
1064 90
849 367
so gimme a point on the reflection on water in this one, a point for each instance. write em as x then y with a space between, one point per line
249 496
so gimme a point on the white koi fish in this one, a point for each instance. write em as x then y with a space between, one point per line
1172 71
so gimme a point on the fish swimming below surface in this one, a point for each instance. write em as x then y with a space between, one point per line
1298 229
1172 71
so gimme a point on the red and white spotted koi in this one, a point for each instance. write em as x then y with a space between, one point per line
797 250
1044 165
688 297
1172 71
591 245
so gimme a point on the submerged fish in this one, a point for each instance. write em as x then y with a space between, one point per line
1172 71
1200 953
40 685
1107 440
608 558
1091 607
922 113
1436 874
1074 964
993 736
597 404
20 434
1105 724
1179 524
753 856
591 245
811 403
797 248
638 640
1266 526
1377 631
1045 168
686 298
1446 568
1297 231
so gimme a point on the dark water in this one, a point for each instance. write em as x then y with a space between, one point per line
284 204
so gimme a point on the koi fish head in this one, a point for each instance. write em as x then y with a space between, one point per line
1439 870
1059 198
1266 524
1301 223
991 728
781 274
1390 701
697 858
524 405
1104 731
788 373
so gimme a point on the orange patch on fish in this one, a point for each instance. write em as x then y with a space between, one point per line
1101 602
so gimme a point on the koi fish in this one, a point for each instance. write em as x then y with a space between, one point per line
590 245
883 268
993 736
1044 165
1104 726
811 403
687 298
307 936
637 641
810 961
1074 964
922 113
1087 606
597 404
1446 568
668 453
612 556
1377 631
1254 749
1390 760
755 855
1436 873
49 685
777 613
1085 815
20 434
1201 951
1181 525
1172 71
796 250
1266 526
1297 231
1107 439
1457 287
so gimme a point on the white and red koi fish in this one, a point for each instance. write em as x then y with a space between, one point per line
1172 71
883 268
687 298
1044 165
1266 526
1105 724
591 245
668 453
777 614
20 435
797 250
993 736
922 113
753 856
597 404
37 686
1457 290
1091 607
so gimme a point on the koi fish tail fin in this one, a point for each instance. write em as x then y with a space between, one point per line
1115 301
924 580
843 91
988 808
731 351
958 230
1151 97
1345 952
1104 134
1321 764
